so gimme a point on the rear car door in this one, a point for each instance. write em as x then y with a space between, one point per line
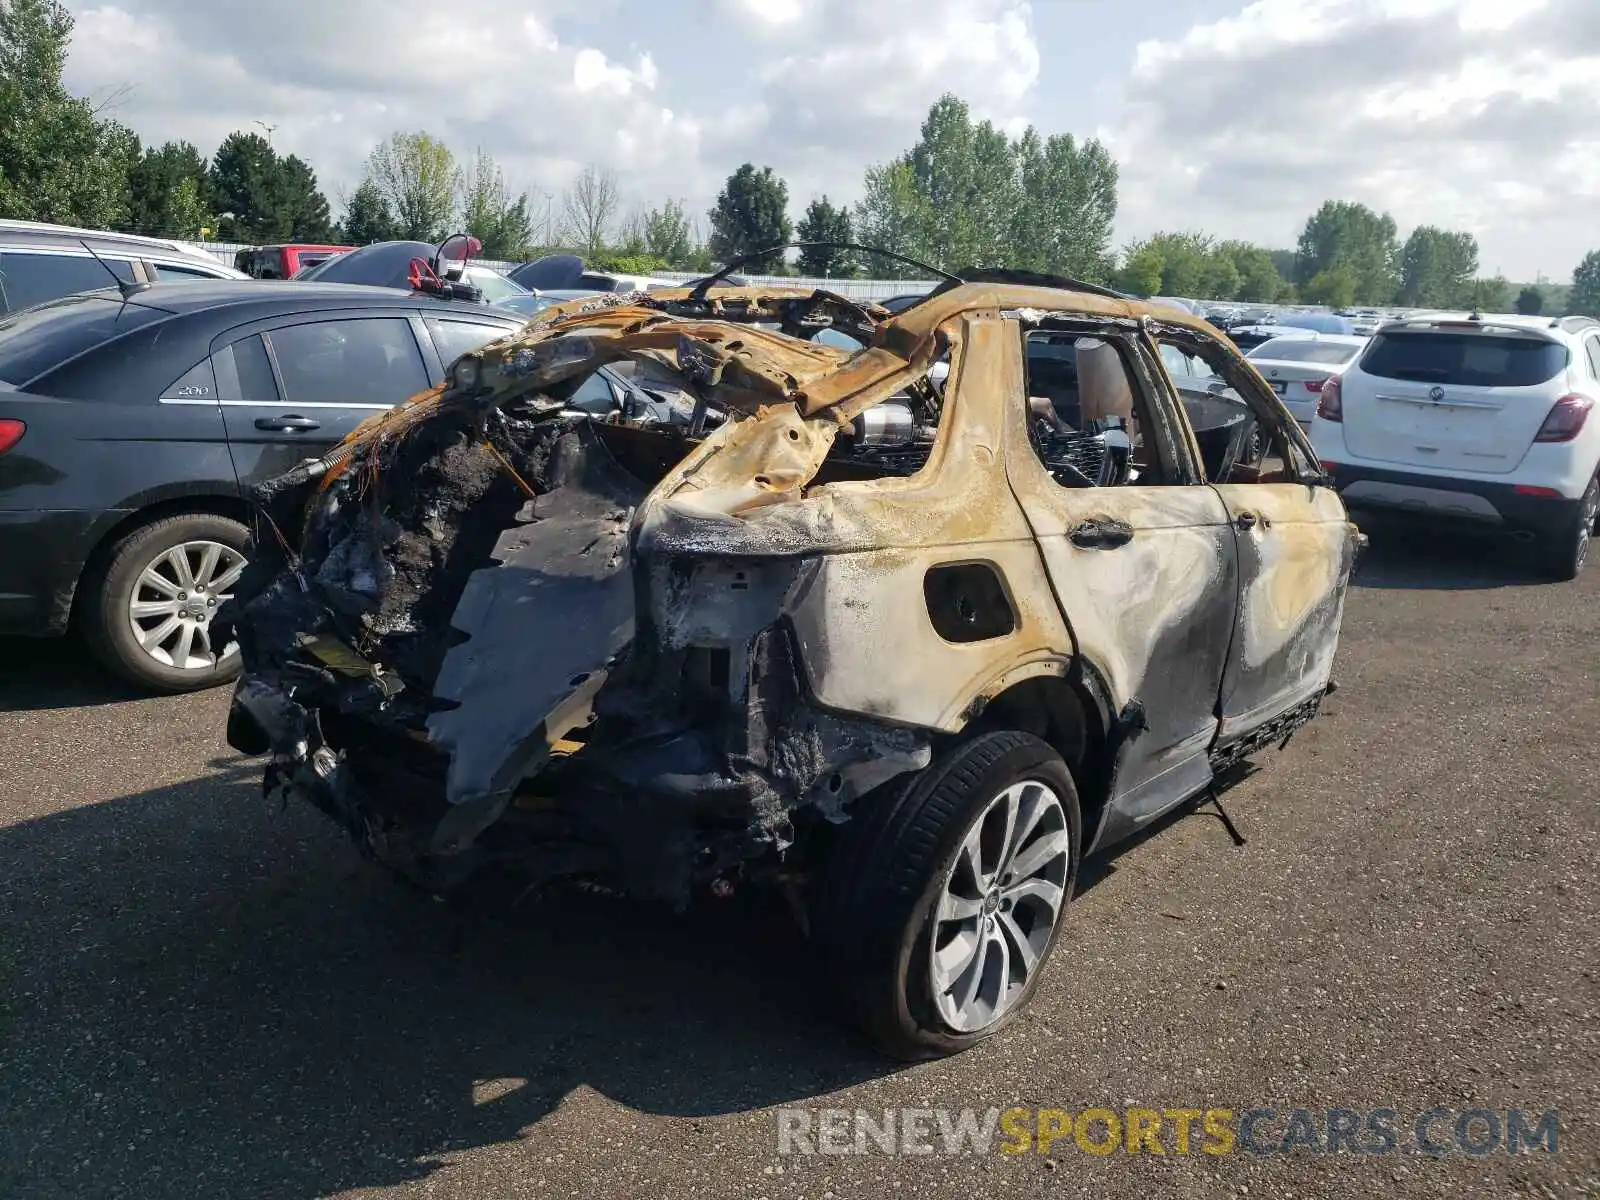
1143 566
97 441
294 387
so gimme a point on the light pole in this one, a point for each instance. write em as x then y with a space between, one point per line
269 129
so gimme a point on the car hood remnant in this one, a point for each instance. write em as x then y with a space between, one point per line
511 631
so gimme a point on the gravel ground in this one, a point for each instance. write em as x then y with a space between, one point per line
205 996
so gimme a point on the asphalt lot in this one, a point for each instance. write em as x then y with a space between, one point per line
205 996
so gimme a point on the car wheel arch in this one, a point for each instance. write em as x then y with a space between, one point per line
1068 709
123 520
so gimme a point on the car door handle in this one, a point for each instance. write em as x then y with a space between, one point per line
287 424
1101 535
1245 520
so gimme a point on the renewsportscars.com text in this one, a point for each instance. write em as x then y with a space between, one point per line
1261 1131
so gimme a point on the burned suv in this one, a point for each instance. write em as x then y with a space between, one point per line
904 626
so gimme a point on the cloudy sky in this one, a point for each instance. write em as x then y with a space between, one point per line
1237 119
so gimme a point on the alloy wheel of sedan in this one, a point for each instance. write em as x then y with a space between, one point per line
175 599
998 905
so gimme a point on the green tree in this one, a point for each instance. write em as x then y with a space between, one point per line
995 195
1285 263
1437 267
965 195
943 166
750 215
367 217
246 182
589 208
1530 301
1343 234
167 192
825 223
271 199
1334 286
1065 203
1490 295
58 160
1185 262
1584 298
892 215
490 213
1080 189
1141 270
667 236
1220 278
417 176
1259 279
302 208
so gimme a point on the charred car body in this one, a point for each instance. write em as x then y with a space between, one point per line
907 628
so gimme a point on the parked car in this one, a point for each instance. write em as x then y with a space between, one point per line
1475 418
284 262
1248 337
567 272
531 304
909 656
392 264
130 431
1317 322
1297 366
1192 307
41 262
900 303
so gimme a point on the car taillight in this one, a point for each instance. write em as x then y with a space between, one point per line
10 433
1330 404
1565 419
1314 385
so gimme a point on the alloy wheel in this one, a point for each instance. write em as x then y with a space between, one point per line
175 598
998 905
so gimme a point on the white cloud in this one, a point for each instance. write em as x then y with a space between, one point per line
1476 114
1479 116
592 72
822 88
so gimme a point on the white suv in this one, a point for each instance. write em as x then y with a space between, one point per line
1487 418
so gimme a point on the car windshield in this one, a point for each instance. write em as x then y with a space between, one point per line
1305 350
528 305
1320 322
496 288
41 338
1467 359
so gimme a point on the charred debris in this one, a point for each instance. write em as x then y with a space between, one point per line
451 648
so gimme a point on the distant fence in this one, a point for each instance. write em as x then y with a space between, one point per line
854 289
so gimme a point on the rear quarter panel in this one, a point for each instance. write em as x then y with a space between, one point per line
80 468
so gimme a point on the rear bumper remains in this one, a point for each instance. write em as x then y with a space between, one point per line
579 724
1515 506
42 552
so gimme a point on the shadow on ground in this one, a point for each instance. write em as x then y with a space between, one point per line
49 673
205 996
1414 555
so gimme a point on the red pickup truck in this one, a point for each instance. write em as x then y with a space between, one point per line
283 262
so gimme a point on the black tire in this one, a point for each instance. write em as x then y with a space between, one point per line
109 590
1566 551
873 896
